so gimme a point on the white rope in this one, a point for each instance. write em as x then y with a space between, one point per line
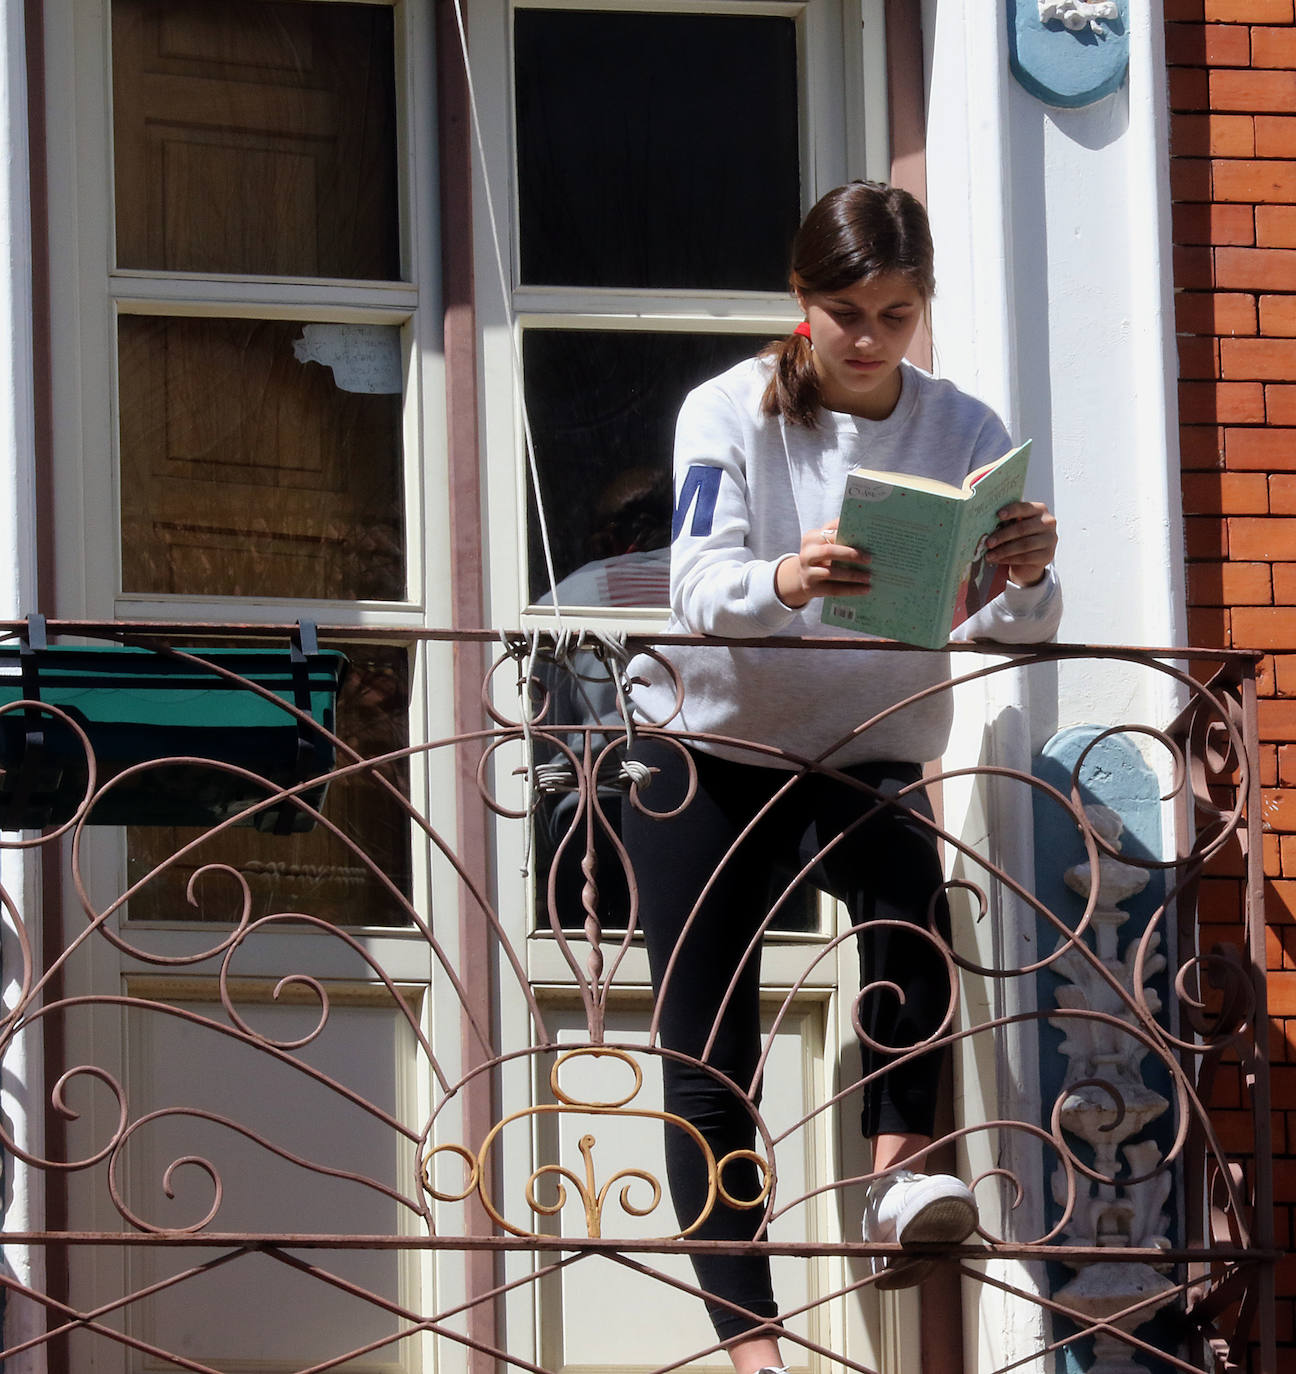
610 649
506 299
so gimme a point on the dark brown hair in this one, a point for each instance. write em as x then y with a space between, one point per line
861 230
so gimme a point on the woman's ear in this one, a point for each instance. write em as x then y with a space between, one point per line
801 300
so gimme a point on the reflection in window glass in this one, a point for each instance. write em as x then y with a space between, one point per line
261 458
656 150
313 873
255 138
602 405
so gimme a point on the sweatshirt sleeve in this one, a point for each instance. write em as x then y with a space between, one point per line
718 585
1018 615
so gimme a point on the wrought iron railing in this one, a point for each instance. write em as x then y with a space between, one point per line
1115 1212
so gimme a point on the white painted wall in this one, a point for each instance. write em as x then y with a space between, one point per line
1055 305
21 1098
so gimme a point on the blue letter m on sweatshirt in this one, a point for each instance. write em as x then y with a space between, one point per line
700 488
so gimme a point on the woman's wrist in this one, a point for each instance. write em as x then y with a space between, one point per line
1034 582
789 586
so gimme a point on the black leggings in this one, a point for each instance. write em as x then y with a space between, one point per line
885 869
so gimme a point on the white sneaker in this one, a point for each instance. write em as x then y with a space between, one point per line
916 1209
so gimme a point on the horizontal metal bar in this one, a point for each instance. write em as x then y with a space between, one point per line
224 629
1087 1254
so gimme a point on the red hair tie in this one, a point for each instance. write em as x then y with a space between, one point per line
803 329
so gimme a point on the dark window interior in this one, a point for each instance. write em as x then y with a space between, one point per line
656 150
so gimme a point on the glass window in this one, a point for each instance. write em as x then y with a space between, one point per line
261 458
255 138
626 181
656 150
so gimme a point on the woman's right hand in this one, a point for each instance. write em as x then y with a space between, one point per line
822 568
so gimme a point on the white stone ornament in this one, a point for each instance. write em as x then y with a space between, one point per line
1079 14
1069 53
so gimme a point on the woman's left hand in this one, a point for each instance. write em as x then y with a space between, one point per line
1026 541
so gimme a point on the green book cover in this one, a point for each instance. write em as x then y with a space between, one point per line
926 539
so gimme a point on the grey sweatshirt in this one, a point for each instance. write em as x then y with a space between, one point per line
747 485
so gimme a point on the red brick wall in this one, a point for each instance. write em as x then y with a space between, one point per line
1233 179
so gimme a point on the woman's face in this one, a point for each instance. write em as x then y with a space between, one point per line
860 333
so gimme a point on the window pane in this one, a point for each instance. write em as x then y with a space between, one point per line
602 405
260 458
313 873
656 150
255 138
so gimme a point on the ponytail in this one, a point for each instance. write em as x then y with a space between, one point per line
793 389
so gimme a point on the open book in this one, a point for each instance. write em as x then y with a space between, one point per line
927 540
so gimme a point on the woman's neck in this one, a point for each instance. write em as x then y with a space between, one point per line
874 405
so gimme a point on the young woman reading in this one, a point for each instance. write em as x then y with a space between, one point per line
761 456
